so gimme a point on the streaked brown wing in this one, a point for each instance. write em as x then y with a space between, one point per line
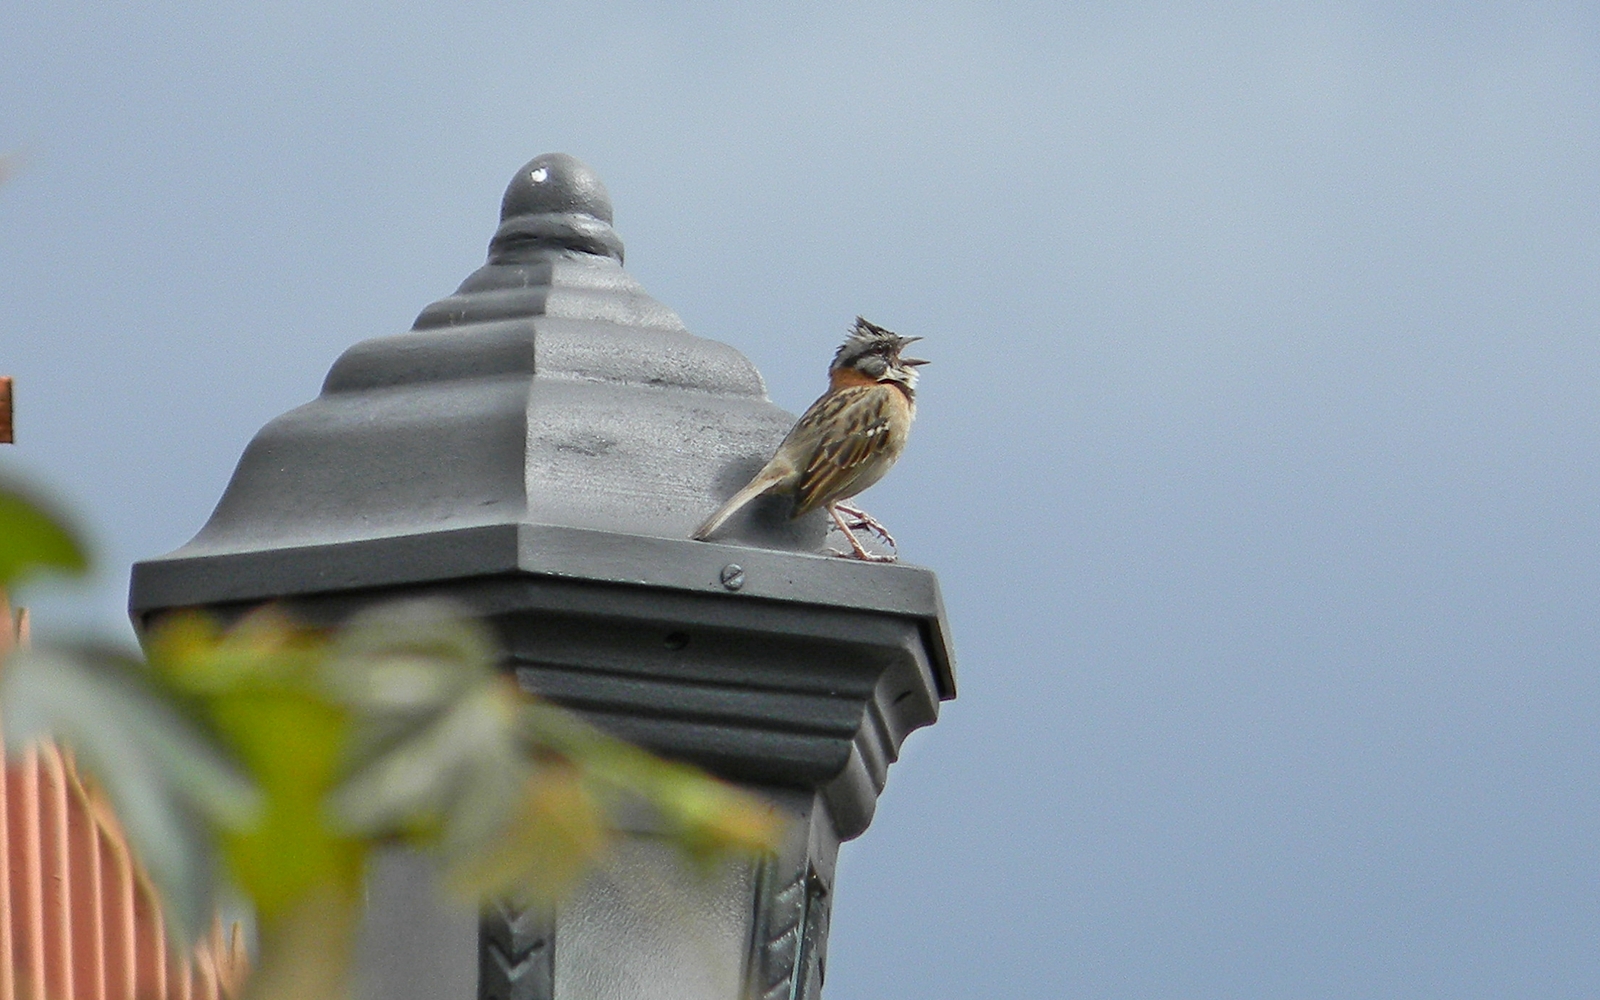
850 432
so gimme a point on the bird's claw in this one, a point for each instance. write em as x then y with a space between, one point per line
860 519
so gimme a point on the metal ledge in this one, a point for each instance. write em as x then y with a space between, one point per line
558 553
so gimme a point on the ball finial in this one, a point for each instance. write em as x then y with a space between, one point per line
556 183
554 203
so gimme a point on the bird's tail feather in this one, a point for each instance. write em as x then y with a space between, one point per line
756 487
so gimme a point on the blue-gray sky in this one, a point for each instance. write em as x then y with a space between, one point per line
1258 457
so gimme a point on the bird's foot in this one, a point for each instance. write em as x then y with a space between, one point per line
860 520
865 521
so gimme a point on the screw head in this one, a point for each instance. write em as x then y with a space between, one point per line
733 576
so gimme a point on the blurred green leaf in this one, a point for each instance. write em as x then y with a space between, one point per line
167 779
198 659
399 665
514 793
434 755
306 950
704 815
32 537
257 684
557 831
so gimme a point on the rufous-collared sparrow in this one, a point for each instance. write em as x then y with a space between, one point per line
846 441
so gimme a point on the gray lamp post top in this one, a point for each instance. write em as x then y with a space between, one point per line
549 418
538 447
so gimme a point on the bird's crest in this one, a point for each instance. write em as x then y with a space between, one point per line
868 338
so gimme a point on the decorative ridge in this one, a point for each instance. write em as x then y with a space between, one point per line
519 241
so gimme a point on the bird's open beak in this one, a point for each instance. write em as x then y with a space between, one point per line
904 342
